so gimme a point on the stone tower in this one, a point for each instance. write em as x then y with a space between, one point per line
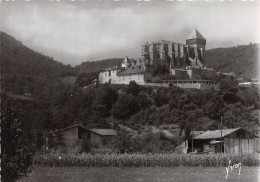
197 41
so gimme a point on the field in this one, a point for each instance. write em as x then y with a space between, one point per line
142 174
143 160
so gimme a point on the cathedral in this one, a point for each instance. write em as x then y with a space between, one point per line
176 54
184 62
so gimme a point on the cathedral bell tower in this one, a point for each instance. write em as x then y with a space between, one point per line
197 41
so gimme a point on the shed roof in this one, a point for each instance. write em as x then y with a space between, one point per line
72 126
104 132
196 133
216 133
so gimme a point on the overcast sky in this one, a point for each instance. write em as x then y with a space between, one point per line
76 31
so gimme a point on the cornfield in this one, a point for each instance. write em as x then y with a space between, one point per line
143 160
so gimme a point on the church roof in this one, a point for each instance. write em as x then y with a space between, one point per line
196 35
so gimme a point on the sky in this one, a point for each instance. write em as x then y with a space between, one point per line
74 31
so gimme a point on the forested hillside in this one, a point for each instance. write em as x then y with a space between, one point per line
25 71
95 66
242 60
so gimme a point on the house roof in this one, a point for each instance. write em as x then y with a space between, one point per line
136 69
217 133
72 126
196 35
109 69
104 132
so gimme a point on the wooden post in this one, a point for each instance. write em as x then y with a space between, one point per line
221 132
191 142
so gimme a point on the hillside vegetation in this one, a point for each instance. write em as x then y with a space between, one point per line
26 71
95 66
242 60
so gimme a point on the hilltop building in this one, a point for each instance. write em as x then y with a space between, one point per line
177 54
138 70
185 62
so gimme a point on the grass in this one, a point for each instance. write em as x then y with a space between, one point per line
142 174
143 160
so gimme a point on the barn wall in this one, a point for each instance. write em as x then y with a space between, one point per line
239 146
70 136
96 139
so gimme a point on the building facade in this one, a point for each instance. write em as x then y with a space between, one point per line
130 70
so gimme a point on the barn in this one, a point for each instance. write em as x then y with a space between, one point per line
101 137
98 137
232 141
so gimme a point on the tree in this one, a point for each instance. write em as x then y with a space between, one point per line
17 153
125 106
133 88
228 82
40 140
105 98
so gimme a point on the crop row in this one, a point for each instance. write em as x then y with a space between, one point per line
143 160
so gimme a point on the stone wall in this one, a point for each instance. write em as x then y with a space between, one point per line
111 76
125 79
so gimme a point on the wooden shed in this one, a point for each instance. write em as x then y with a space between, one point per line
97 137
235 141
72 134
101 137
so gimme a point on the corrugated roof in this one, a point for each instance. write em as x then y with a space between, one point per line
216 133
196 35
104 132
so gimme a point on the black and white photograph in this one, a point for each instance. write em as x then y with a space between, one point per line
129 90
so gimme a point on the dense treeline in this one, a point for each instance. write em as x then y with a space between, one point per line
242 60
136 106
95 66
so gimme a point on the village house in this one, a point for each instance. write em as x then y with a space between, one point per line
97 137
233 141
131 69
